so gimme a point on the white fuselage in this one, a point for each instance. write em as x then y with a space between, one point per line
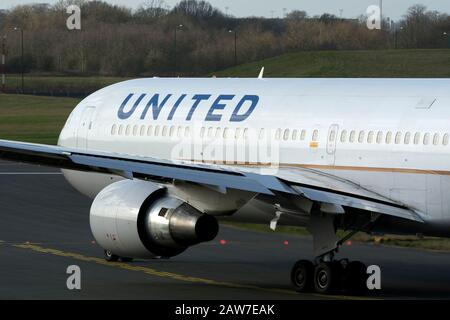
390 136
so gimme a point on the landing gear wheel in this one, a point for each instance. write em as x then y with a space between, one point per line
327 277
302 275
355 279
110 257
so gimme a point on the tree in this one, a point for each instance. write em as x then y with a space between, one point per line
197 9
328 18
298 15
152 9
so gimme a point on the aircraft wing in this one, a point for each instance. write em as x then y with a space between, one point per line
311 184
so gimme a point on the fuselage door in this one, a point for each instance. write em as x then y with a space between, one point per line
332 140
85 127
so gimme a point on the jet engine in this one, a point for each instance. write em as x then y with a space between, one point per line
138 219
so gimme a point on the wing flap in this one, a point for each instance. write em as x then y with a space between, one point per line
358 203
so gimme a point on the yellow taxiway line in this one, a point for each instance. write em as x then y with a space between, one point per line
167 275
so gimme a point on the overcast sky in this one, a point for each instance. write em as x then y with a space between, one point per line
350 8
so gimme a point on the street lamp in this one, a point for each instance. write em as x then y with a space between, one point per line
179 27
3 67
447 34
396 33
21 59
235 46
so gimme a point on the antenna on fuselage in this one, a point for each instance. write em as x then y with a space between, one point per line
261 73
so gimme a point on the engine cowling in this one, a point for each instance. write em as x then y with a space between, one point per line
138 219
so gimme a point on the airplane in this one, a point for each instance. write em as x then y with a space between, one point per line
165 159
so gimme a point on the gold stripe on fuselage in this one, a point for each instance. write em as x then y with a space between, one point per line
327 167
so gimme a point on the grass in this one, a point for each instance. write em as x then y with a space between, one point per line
429 243
33 118
376 63
433 63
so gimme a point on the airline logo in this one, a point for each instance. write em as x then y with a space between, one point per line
147 106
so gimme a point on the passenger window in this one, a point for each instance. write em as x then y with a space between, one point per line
303 135
332 136
172 131
379 137
114 129
361 137
294 135
398 138
370 137
262 134
445 139
344 136
218 132
246 133
156 131
286 135
436 139
142 132
278 134
179 131
352 136
135 130
407 138
226 133
202 132
128 130
417 138
237 134
315 136
388 137
187 132
210 132
164 131
426 139
150 131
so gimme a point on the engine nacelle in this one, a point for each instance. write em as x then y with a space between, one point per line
138 219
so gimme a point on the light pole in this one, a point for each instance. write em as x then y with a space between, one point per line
3 62
447 34
21 58
180 26
235 46
397 30
381 13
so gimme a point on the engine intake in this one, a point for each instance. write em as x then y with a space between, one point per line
137 219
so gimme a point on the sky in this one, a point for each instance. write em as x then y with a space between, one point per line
240 8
